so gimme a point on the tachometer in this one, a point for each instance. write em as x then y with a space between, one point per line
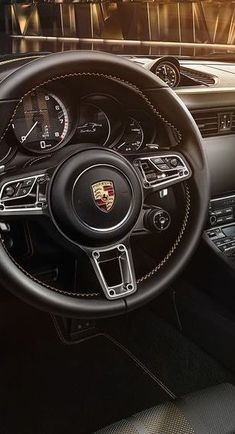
132 138
41 122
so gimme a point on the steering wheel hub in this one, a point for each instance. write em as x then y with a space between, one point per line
96 197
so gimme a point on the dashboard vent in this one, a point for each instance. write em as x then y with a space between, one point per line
217 122
198 76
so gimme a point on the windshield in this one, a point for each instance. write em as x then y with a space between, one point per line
180 28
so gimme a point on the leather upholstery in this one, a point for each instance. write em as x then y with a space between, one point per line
210 411
163 101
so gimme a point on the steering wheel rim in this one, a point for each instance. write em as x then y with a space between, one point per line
170 108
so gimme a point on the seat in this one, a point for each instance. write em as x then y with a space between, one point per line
210 411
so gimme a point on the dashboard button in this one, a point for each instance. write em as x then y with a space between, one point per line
228 218
229 251
221 220
219 212
151 176
28 182
163 166
146 166
213 219
219 243
9 191
174 162
228 210
23 191
157 161
211 234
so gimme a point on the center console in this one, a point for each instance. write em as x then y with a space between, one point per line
221 226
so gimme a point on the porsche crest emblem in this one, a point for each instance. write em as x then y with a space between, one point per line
104 195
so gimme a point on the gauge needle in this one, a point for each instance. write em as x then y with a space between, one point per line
119 146
28 133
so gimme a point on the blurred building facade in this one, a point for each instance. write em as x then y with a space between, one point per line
195 22
205 22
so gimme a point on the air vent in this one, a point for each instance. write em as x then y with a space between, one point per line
198 76
217 122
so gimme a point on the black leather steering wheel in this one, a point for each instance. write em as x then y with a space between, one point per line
93 196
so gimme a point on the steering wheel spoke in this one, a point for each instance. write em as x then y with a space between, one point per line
25 195
162 169
96 195
117 262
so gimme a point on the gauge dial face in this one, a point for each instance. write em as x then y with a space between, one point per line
93 125
168 73
132 138
41 122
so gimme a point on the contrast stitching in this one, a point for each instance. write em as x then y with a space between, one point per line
35 159
60 291
99 75
160 116
123 348
177 241
141 365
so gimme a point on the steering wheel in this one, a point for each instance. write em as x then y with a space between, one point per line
93 196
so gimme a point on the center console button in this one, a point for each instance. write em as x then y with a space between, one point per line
220 220
219 212
213 219
228 218
229 251
228 210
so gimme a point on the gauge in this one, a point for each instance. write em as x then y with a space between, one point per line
168 72
6 151
41 122
93 126
132 138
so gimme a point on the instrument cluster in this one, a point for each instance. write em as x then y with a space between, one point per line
46 120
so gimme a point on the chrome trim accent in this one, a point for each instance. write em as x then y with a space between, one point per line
5 204
122 255
9 183
223 225
222 198
173 175
192 91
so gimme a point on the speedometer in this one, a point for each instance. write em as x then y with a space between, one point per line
41 122
132 138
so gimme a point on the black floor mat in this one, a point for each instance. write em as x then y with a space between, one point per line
177 361
47 387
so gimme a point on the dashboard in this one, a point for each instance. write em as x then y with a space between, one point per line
178 73
59 116
51 118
